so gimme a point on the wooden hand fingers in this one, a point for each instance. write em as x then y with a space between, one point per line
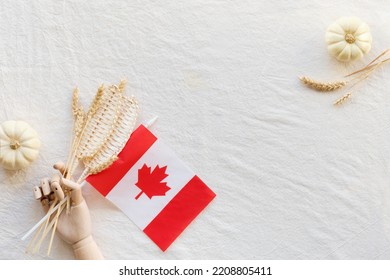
60 166
56 187
44 193
48 191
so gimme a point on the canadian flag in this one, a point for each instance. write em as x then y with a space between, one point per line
153 187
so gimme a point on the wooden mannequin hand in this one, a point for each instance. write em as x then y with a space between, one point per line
73 227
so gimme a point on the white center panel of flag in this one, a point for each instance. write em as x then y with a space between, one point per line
144 209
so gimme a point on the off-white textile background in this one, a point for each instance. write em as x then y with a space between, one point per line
295 177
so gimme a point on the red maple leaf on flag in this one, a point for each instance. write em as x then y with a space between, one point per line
150 182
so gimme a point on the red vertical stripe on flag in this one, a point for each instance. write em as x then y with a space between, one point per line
139 142
179 213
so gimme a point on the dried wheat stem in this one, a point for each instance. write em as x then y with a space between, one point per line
342 99
371 64
44 234
379 56
83 175
67 202
43 220
34 239
360 78
363 76
364 73
75 113
45 229
321 86
368 67
73 140
72 164
54 228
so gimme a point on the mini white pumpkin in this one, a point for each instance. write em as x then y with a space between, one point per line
348 38
19 145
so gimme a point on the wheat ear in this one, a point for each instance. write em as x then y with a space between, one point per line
342 99
352 79
321 86
122 85
75 102
73 162
75 106
78 112
79 117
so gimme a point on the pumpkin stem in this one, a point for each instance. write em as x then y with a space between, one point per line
14 144
350 38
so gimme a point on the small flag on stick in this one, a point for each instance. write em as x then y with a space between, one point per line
153 187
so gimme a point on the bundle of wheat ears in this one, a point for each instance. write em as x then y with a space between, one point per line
350 81
99 135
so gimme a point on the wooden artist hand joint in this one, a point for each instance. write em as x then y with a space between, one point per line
74 225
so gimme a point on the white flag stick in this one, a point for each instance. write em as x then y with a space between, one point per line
150 122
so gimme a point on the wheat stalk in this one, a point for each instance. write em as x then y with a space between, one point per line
98 137
75 113
78 124
321 86
352 81
78 114
78 138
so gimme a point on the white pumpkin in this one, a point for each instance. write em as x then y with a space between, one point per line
348 38
19 145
